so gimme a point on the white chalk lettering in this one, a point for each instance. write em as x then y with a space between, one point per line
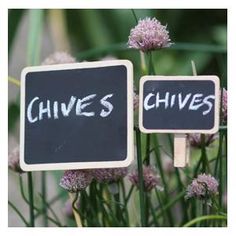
29 111
195 99
43 110
209 104
80 106
182 102
66 110
146 100
106 104
165 100
172 101
55 110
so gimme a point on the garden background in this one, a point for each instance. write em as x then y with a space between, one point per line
198 35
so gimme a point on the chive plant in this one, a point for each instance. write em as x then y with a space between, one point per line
145 195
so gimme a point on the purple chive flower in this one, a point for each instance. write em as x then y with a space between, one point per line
76 180
14 160
59 58
203 186
149 34
150 177
195 139
109 175
224 105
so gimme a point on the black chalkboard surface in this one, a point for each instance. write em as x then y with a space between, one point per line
179 104
77 116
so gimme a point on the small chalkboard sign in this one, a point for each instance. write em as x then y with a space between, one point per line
77 116
179 104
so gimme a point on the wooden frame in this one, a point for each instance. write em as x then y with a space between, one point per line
80 165
214 79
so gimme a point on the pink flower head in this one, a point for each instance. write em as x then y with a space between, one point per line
59 58
76 180
14 160
149 34
203 186
150 178
109 175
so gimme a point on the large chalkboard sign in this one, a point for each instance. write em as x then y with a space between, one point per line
77 116
179 104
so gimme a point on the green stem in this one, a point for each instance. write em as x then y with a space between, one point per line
117 207
44 198
100 204
52 201
54 221
89 210
110 203
203 157
76 209
159 164
172 202
135 16
197 168
226 163
193 207
162 213
39 211
18 213
129 194
82 211
204 211
220 154
34 36
125 208
153 212
50 209
147 155
205 163
147 207
31 199
203 218
115 222
180 184
140 177
151 68
23 195
150 72
93 200
162 210
22 189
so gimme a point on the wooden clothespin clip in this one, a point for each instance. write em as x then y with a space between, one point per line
181 150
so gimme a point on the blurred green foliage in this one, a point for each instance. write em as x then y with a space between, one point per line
14 112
